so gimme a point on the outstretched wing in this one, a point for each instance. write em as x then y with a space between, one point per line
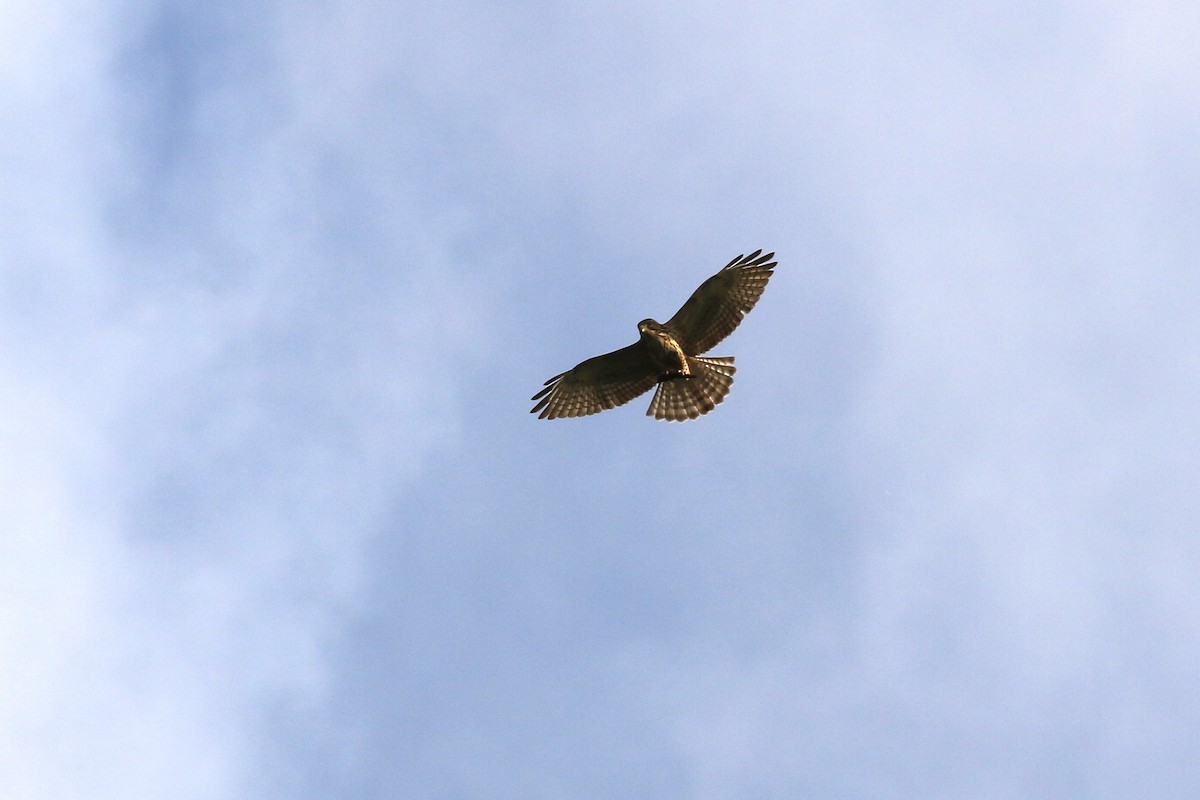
716 308
598 384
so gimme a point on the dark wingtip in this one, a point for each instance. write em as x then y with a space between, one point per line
547 387
766 263
755 259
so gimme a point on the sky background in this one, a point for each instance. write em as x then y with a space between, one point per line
279 278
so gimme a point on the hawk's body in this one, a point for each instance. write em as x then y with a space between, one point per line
667 354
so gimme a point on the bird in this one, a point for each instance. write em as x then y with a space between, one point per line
667 354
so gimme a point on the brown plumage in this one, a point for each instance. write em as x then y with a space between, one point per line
667 354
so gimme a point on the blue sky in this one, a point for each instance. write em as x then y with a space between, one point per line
279 279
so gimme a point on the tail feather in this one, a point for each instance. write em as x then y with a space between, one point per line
683 398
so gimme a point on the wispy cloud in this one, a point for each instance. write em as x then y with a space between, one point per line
199 437
279 279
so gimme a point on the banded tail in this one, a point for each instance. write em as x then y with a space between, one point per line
682 397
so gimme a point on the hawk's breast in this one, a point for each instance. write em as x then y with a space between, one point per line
665 350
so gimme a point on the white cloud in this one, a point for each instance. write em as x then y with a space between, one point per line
234 341
203 418
1010 625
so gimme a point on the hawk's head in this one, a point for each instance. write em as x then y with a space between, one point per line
650 326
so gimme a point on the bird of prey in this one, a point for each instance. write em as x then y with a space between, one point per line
667 354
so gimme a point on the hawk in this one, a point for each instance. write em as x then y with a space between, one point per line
667 354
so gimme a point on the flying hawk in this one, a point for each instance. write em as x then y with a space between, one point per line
667 354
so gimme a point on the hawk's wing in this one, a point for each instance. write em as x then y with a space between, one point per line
716 308
598 384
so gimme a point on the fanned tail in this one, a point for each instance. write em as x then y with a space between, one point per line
687 397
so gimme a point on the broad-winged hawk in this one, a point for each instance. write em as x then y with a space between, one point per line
667 354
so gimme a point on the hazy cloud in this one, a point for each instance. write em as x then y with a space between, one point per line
279 279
